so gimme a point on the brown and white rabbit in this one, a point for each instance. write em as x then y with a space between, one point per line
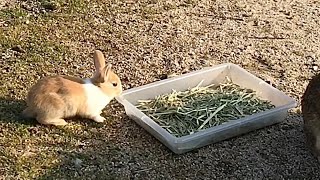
310 106
54 98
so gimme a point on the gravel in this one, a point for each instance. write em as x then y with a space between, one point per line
147 41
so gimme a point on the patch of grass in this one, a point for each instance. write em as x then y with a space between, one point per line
14 14
143 40
30 151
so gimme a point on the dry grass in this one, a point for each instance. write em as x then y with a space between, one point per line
146 41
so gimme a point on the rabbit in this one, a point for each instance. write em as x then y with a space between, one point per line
54 98
310 106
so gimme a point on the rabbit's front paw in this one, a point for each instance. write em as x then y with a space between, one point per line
98 119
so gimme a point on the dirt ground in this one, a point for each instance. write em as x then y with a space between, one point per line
146 41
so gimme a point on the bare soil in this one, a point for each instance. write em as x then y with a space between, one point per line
146 41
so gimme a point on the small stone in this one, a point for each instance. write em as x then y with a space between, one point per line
163 76
78 162
18 48
94 130
315 68
172 75
245 63
241 47
51 6
287 13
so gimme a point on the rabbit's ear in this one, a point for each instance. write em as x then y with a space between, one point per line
99 60
103 75
107 72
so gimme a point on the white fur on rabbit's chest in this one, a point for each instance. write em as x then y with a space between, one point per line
96 100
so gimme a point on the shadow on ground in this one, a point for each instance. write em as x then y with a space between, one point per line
10 111
123 150
134 154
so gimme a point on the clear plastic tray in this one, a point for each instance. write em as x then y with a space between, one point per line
215 74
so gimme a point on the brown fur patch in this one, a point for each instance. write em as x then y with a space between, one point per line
74 79
56 97
99 60
311 116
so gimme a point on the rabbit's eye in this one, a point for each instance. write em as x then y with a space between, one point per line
114 84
